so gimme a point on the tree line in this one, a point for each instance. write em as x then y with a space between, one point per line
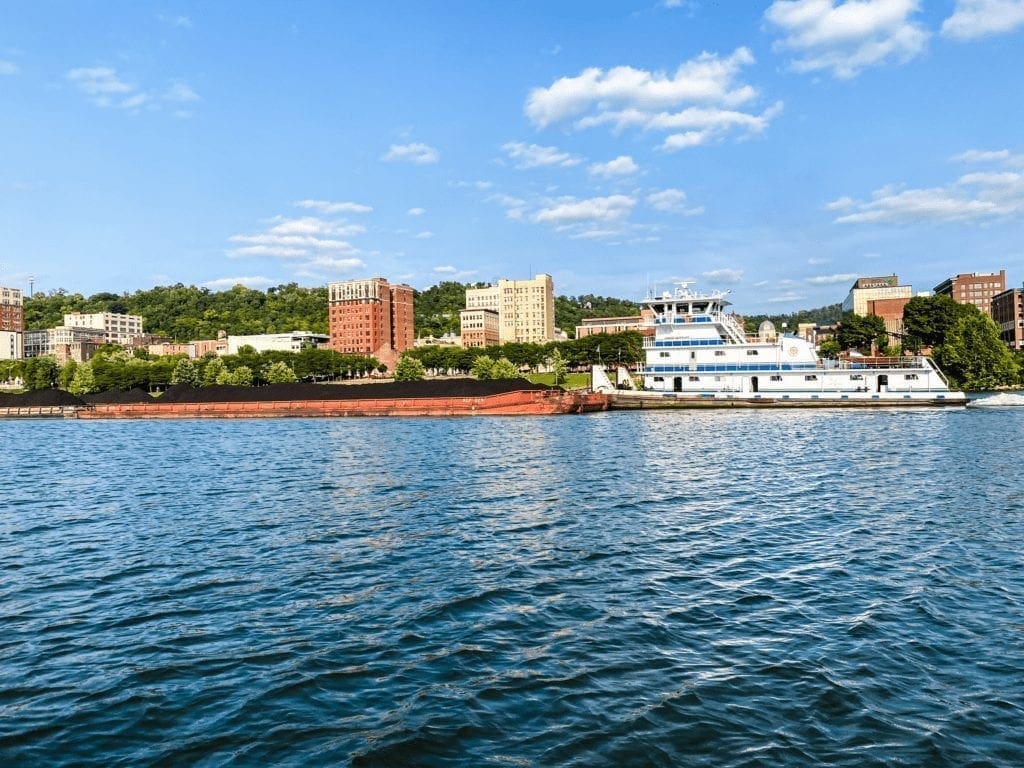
186 312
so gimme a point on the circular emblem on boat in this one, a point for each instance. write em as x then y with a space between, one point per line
793 351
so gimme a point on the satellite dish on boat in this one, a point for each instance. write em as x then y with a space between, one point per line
766 331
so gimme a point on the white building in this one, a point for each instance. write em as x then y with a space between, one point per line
295 341
116 328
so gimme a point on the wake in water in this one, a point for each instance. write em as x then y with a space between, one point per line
1002 400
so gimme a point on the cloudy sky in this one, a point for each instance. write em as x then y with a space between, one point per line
778 149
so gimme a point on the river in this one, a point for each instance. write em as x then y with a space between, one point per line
755 588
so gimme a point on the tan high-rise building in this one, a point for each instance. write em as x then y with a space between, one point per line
526 308
976 288
371 317
12 324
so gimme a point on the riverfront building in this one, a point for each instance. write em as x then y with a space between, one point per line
12 324
1008 314
295 341
976 288
64 344
525 308
479 327
371 317
883 297
115 328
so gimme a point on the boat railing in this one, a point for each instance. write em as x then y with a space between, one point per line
860 363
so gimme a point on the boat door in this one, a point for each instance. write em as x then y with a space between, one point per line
883 382
753 383
677 384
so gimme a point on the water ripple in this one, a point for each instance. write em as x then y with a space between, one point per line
700 589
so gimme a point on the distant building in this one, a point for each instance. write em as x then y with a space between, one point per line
592 325
526 308
445 340
1008 314
167 348
116 328
883 297
63 343
867 289
976 288
295 341
12 324
479 327
371 317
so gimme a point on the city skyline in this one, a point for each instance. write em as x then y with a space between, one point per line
780 150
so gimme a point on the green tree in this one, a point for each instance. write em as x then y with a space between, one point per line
240 377
67 375
829 349
973 356
185 372
281 373
40 372
504 368
927 319
409 369
213 371
558 366
860 331
483 367
83 381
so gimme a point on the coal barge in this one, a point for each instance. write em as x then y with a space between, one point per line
447 397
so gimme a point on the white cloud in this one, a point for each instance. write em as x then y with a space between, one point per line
704 90
723 276
416 211
325 206
334 264
972 19
480 185
817 261
786 298
134 101
181 93
515 207
227 283
445 270
536 156
596 234
831 279
978 197
309 238
568 210
99 82
848 37
622 165
424 235
417 154
672 201
990 156
174 21
8 68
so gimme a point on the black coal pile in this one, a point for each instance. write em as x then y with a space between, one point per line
224 393
119 397
39 398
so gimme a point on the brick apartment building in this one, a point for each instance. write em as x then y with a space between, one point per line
976 288
371 317
12 324
1008 314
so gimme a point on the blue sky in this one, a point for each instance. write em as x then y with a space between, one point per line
777 149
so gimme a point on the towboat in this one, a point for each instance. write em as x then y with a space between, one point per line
700 356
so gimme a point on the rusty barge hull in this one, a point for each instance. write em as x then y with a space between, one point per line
520 403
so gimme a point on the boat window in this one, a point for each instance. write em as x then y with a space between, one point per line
856 377
751 351
719 353
695 378
663 354
810 377
776 377
659 378
910 376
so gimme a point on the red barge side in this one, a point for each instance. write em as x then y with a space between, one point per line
516 403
